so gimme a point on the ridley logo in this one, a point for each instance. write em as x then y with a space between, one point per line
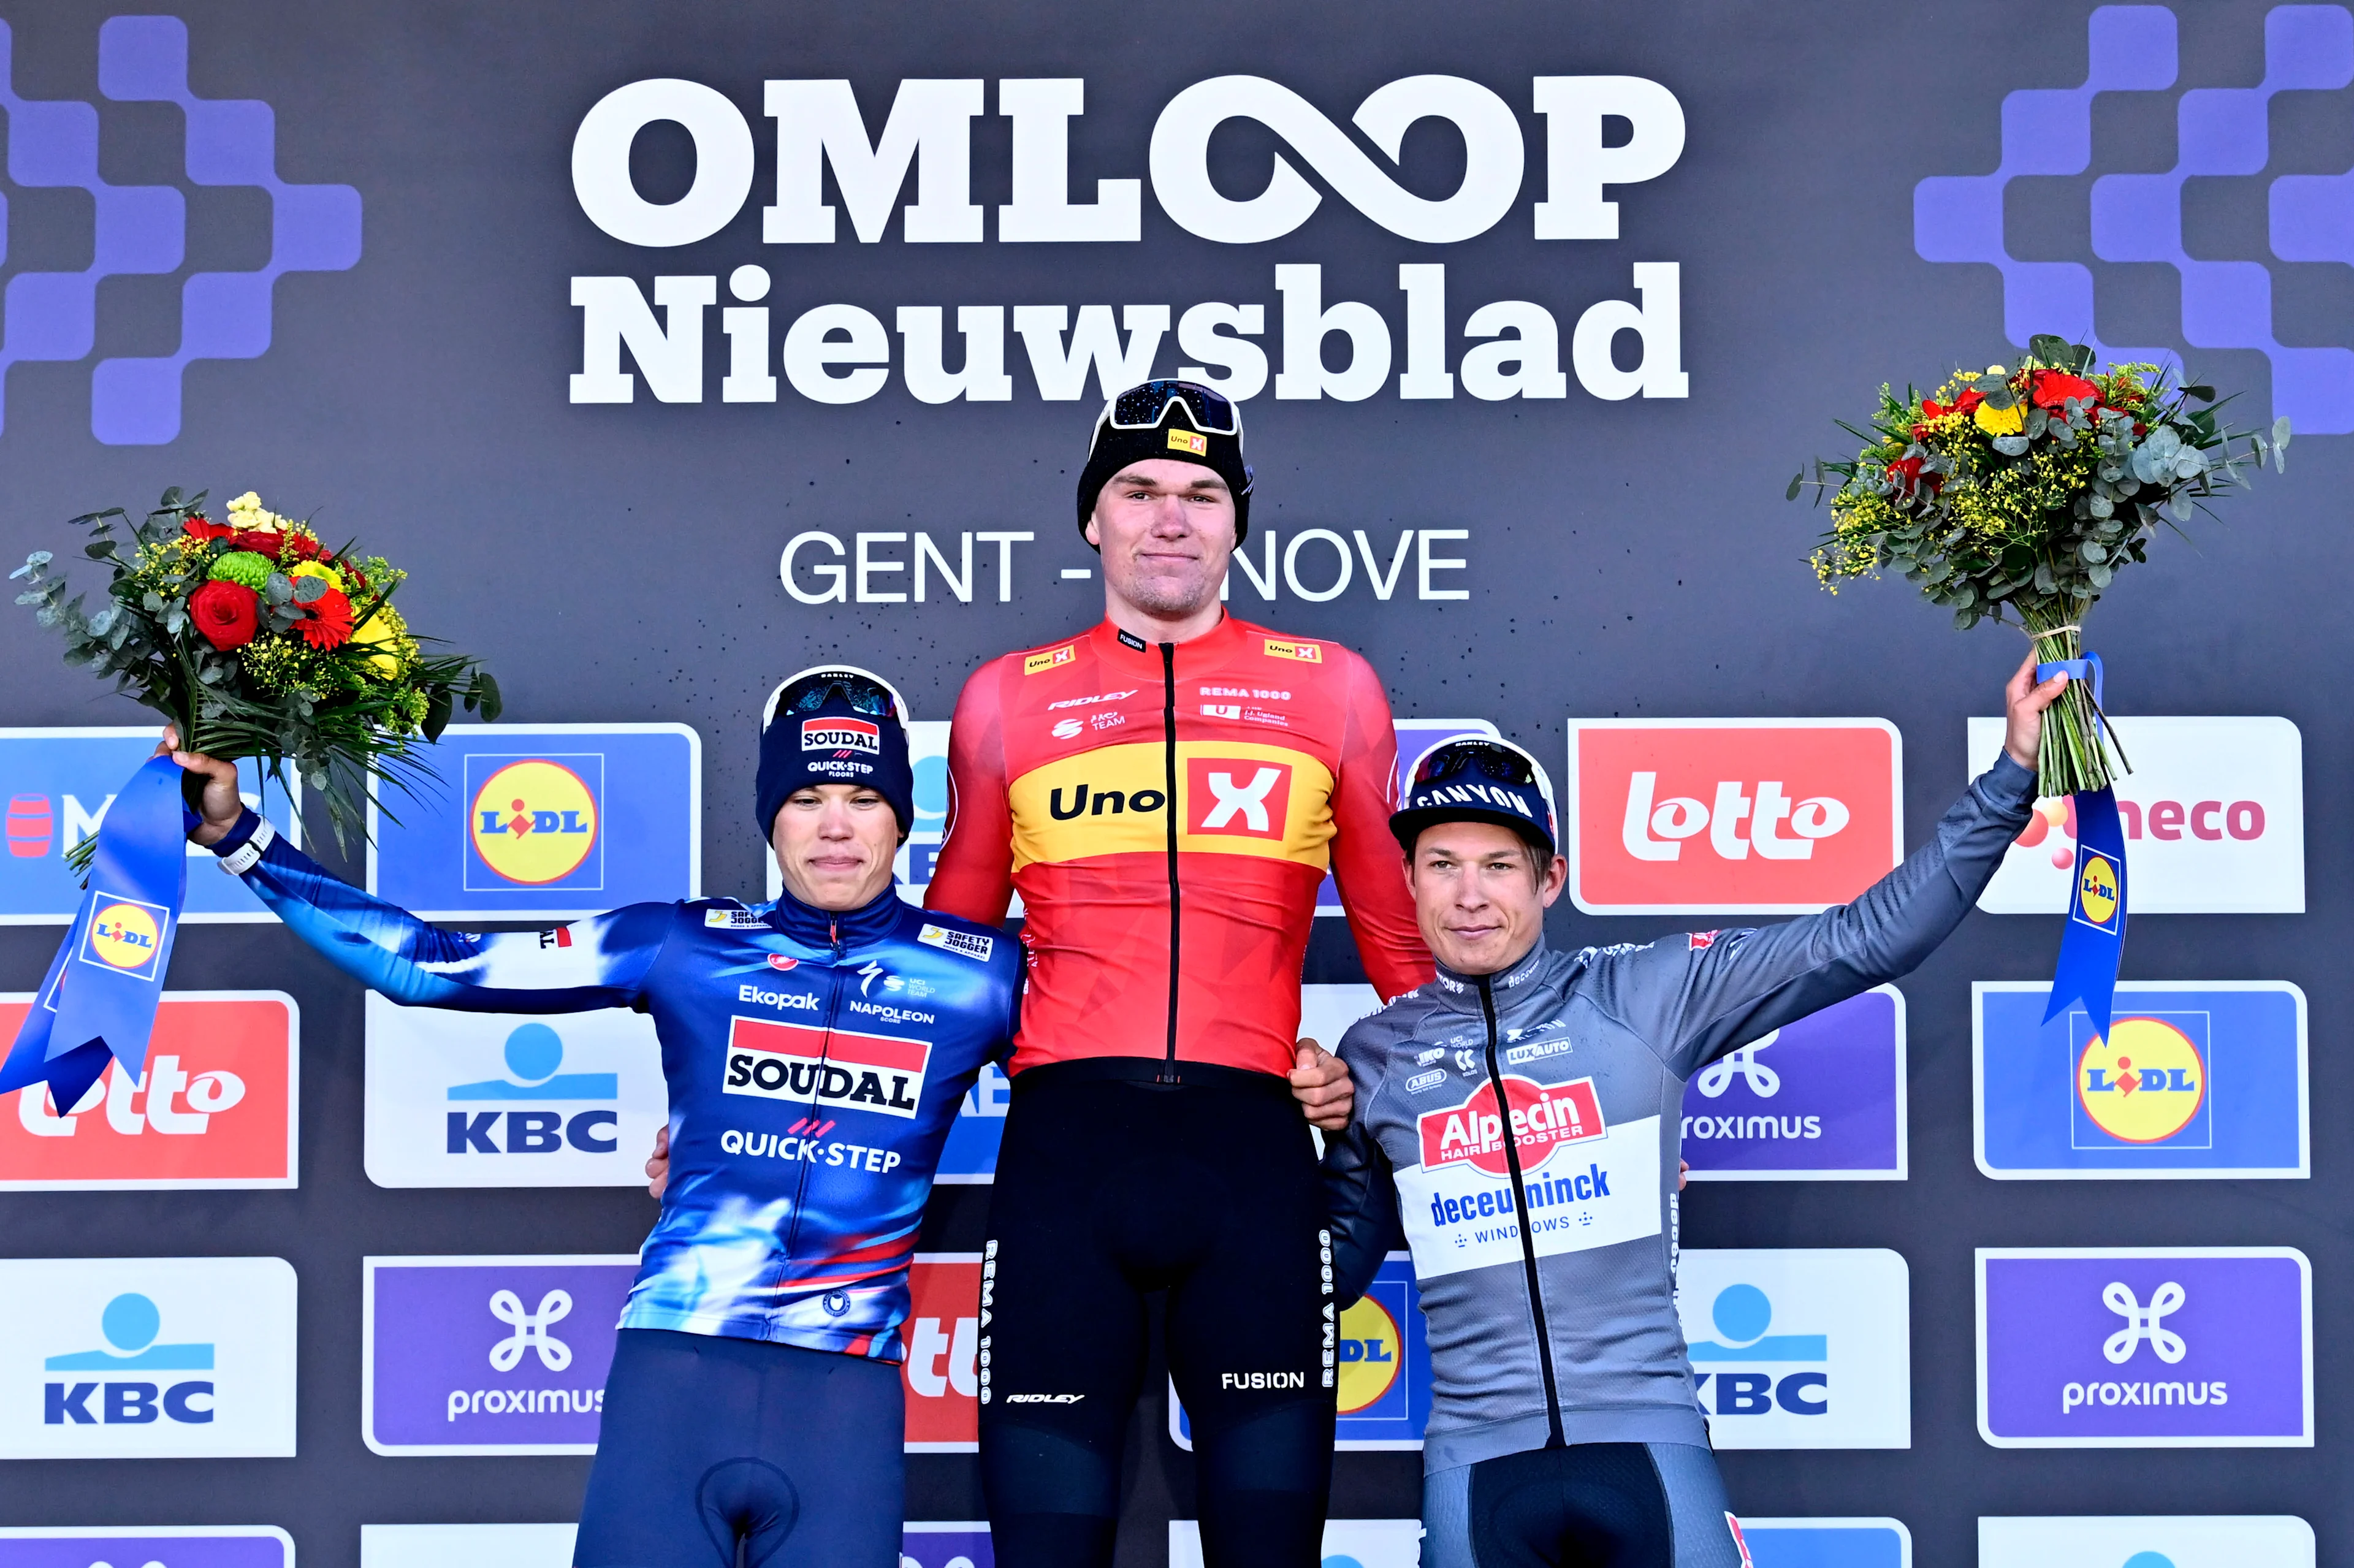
1742 816
842 734
1545 1117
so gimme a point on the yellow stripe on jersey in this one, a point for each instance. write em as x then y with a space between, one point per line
1233 797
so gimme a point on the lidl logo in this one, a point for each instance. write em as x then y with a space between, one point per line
146 1358
1741 816
1800 1348
510 1100
1381 1354
2099 891
127 934
2195 1079
1370 1353
216 1106
841 737
535 819
544 821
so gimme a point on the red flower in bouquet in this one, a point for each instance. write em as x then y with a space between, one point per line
198 528
2054 387
329 624
226 613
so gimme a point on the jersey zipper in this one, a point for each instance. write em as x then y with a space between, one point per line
1554 1438
825 1054
1168 1074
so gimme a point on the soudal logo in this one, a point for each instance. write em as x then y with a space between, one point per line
862 736
214 1108
534 821
879 1072
1543 1118
1749 817
1244 797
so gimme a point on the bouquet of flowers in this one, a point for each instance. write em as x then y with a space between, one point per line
2025 489
255 640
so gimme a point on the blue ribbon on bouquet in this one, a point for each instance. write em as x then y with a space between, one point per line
2093 942
98 1001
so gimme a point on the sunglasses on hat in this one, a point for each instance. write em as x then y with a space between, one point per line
859 693
1492 759
1146 406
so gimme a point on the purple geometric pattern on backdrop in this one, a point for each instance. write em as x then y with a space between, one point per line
2138 218
493 1354
256 1550
223 315
137 228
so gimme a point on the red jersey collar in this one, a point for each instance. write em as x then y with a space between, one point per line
1217 643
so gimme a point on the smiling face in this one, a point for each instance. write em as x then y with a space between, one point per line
834 844
1481 892
1166 530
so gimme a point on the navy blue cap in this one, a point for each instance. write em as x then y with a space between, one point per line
835 725
1477 778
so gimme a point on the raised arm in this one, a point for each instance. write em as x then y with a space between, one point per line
1365 859
973 876
1697 997
599 962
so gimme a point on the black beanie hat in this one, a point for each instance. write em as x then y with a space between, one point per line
835 725
1173 433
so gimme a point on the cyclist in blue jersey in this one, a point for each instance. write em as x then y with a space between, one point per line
816 1050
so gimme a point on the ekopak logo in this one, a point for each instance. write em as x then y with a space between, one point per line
943 1342
545 822
2213 815
488 1355
165 1358
1737 816
2145 1348
504 1099
158 1546
214 1108
1821 1099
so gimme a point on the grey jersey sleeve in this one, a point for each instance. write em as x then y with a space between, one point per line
1696 998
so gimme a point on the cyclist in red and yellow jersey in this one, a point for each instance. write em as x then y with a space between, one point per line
1166 792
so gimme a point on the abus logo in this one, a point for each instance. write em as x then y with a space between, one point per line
215 1107
1756 815
1244 797
2213 815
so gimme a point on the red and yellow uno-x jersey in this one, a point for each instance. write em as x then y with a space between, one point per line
1167 812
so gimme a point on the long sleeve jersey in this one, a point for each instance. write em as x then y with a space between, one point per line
815 1063
1562 1238
1167 813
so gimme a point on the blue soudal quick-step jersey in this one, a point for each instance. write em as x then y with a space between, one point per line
815 1063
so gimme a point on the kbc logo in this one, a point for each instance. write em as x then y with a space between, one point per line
1742 816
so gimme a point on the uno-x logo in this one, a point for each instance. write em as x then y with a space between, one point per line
1243 797
2141 217
143 229
2142 1322
1718 1076
531 1331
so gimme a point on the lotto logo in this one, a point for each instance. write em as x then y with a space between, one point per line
943 1332
1758 816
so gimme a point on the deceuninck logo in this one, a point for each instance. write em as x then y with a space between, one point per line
2223 135
2197 1078
2145 1348
143 229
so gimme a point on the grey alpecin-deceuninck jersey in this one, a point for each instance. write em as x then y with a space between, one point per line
1592 1049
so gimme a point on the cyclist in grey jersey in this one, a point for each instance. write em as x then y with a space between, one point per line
1596 1451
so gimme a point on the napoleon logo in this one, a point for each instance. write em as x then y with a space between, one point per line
843 736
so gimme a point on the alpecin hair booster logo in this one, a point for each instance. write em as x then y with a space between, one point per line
142 230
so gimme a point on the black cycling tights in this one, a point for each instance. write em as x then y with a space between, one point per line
1111 1186
1590 1505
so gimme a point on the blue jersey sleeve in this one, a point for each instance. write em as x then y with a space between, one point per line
599 963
